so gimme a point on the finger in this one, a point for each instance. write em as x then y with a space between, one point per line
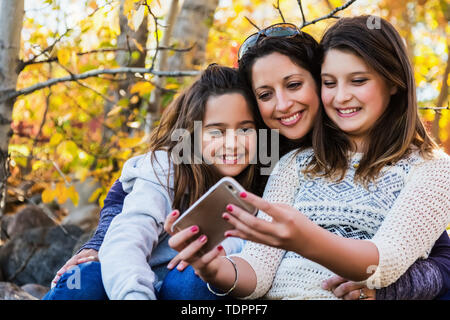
247 233
208 257
171 218
179 240
352 295
261 204
87 259
252 222
182 265
345 288
190 252
332 283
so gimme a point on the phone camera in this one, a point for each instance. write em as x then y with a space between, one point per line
230 187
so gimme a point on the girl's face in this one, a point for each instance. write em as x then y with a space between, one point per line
353 94
286 94
228 134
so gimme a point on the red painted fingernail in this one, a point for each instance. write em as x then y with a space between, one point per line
230 208
227 234
202 238
219 247
194 229
174 213
226 217
243 194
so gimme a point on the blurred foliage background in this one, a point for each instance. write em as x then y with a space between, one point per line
82 131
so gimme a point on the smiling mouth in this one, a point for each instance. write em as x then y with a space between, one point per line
231 159
292 119
348 112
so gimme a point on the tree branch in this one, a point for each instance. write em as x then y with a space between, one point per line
12 94
277 7
328 16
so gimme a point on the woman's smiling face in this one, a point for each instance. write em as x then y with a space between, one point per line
286 94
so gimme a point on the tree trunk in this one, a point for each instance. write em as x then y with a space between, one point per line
161 64
443 96
11 19
190 30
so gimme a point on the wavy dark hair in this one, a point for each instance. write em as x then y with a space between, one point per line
398 130
188 107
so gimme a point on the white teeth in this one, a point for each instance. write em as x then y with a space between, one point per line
295 116
345 111
230 158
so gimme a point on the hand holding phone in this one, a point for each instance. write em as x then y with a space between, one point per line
207 211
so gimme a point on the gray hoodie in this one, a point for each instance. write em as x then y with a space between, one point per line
135 251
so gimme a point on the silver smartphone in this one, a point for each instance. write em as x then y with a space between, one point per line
207 212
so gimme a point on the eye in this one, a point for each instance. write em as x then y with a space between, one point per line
264 96
294 85
216 133
245 131
328 83
359 81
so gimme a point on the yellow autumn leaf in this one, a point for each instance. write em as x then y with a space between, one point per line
48 195
73 195
64 55
116 110
142 87
61 192
56 139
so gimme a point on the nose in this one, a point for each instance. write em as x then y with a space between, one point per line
284 102
230 139
342 94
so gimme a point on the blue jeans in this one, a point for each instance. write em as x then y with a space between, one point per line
185 285
84 282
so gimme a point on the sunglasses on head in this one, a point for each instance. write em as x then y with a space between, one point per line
278 30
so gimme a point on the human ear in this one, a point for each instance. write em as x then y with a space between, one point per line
393 90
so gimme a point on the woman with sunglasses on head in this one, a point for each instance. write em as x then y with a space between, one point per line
368 200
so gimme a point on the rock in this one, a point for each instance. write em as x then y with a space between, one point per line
36 290
86 217
82 240
27 218
11 291
36 255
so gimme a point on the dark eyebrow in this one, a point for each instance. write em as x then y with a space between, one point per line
220 124
284 78
353 73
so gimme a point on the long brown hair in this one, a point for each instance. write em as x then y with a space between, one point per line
192 180
398 130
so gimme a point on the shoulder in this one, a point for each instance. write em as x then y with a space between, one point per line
299 156
152 166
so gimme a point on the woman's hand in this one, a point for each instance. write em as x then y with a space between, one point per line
283 231
83 256
348 290
188 243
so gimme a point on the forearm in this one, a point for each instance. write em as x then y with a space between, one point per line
422 281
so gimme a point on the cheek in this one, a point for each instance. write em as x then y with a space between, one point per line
327 96
266 110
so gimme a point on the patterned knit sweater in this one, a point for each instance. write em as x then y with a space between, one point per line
403 213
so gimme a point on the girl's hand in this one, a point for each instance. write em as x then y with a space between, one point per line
188 248
348 290
284 231
83 256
